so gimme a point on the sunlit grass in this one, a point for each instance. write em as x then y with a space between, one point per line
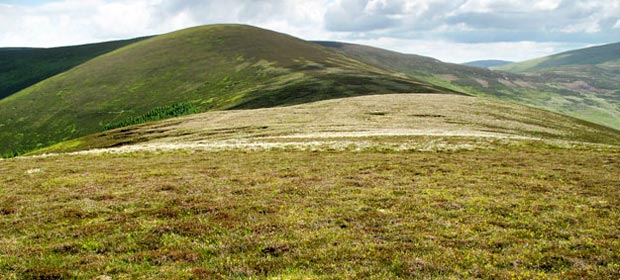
513 212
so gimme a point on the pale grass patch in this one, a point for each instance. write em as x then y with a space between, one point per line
34 171
357 145
400 132
482 82
352 146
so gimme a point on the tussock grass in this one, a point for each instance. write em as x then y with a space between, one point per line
514 212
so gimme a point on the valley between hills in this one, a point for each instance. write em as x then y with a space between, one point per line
235 152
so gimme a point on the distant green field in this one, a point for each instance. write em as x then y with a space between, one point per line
24 67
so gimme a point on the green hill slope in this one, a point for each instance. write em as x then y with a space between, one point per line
605 54
598 67
23 67
567 94
204 68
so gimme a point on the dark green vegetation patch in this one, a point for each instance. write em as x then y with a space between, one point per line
159 113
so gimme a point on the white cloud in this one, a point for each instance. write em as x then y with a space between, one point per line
82 21
582 27
487 6
547 4
450 30
461 52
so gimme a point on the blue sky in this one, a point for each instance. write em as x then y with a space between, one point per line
450 30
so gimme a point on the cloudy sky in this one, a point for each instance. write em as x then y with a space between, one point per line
450 30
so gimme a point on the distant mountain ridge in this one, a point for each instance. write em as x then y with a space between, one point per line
487 63
591 98
596 68
598 55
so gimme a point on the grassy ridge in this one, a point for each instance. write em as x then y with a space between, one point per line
211 67
596 66
24 67
591 94
605 54
508 213
404 121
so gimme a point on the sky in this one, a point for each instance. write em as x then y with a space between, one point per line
450 30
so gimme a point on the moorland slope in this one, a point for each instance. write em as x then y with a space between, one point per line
581 97
597 68
383 122
204 68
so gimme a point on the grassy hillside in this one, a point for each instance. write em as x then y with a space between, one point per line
598 67
384 122
605 54
584 98
23 67
400 186
487 63
210 67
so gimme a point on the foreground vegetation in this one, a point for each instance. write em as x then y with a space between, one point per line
511 212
